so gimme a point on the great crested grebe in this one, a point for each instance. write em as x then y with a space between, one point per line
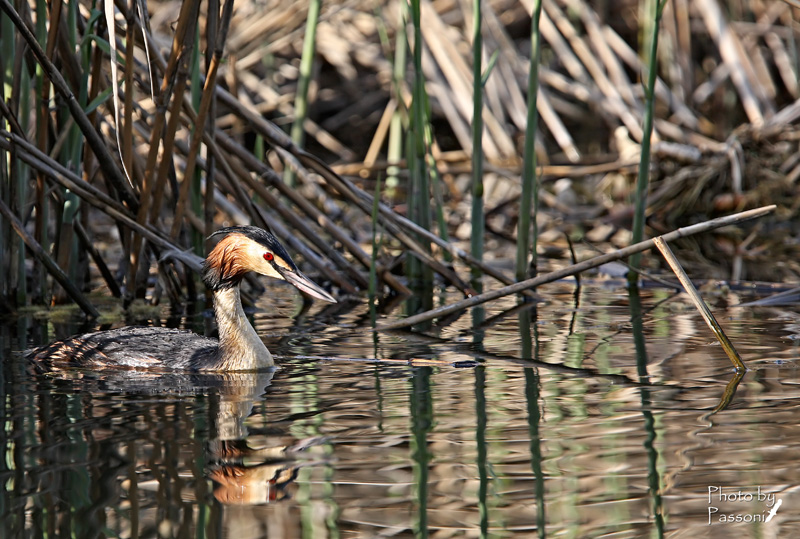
241 249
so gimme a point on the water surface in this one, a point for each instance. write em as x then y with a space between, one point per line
590 414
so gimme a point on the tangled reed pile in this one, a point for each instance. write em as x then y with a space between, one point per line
136 161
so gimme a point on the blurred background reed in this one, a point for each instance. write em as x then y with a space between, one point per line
114 172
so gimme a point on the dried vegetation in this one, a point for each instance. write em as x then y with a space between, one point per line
126 176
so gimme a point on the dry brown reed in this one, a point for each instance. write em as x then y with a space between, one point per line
725 133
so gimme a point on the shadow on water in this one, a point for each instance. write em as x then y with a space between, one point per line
601 411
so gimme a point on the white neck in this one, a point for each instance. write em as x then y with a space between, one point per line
240 347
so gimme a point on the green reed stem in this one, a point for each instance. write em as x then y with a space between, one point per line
72 155
373 267
529 199
419 199
41 230
304 80
13 174
478 225
438 197
93 137
643 178
44 257
394 152
23 173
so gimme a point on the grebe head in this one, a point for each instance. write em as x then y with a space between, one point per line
249 248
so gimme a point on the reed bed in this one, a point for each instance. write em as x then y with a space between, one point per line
135 161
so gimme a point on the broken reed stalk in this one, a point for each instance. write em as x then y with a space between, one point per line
577 268
643 178
705 312
730 391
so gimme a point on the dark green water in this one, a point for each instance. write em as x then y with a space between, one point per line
454 433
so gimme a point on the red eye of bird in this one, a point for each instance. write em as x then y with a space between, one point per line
269 257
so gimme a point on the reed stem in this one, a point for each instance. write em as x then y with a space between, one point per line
643 178
577 268
478 225
394 152
304 80
419 198
529 199
373 267
701 305
48 262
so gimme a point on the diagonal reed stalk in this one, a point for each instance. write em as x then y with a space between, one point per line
41 254
577 268
701 305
